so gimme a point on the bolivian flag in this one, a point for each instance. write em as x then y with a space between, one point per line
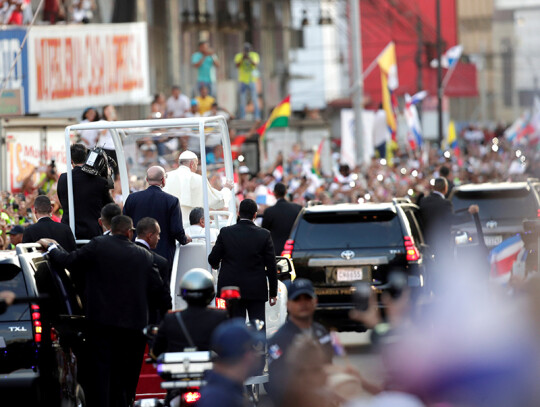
278 118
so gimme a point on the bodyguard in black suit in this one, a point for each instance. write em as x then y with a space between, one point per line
437 216
46 227
147 237
163 207
90 194
120 282
279 219
246 255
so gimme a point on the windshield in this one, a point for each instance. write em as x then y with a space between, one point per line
502 204
342 230
12 279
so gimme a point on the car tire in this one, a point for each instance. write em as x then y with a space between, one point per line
80 400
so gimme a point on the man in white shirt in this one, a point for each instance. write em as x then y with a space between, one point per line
177 104
185 184
196 226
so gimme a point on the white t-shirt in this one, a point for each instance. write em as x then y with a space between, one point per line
89 137
178 107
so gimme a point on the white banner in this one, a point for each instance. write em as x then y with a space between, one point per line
27 157
348 142
84 65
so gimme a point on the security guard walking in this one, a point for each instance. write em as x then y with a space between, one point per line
301 305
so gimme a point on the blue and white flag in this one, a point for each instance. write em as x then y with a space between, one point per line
450 58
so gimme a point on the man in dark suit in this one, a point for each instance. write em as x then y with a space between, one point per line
161 206
46 227
437 216
108 212
246 255
148 237
120 282
445 173
90 194
279 219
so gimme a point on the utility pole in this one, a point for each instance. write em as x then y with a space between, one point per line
358 80
439 74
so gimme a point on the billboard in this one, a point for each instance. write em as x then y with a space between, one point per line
28 156
10 43
87 65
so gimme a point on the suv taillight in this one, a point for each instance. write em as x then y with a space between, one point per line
412 253
36 322
288 248
191 397
538 214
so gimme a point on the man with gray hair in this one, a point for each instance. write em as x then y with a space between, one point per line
196 226
185 184
164 208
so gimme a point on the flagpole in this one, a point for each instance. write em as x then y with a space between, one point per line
358 88
440 89
448 75
372 66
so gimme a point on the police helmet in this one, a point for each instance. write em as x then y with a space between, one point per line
197 287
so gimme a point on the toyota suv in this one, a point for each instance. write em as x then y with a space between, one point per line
38 334
335 246
503 208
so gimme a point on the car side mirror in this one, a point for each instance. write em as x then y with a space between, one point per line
285 268
462 238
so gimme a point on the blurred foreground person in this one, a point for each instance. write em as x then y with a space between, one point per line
236 360
120 282
6 299
301 305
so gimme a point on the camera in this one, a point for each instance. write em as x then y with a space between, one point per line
98 163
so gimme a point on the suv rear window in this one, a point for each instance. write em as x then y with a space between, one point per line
341 230
502 204
12 279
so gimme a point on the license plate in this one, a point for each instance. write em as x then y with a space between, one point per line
493 240
349 274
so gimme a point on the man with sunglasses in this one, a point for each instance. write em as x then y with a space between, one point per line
164 208
301 305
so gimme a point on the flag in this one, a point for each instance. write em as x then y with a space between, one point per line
316 163
450 58
389 83
414 133
452 141
503 256
278 118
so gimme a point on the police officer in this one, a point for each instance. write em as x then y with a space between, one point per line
301 305
197 289
237 359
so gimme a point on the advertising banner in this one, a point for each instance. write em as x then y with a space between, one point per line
28 157
87 65
10 43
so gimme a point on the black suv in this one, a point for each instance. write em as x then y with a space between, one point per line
335 246
503 208
38 337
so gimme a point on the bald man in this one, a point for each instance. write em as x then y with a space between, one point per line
185 184
163 207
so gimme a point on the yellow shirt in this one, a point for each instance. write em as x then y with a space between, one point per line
246 68
205 103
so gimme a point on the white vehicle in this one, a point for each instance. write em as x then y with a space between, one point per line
173 135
